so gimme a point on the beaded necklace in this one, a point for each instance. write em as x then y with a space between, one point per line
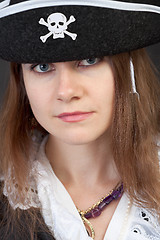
98 207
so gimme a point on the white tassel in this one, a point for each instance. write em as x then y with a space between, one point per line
134 90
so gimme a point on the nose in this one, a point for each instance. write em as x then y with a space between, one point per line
69 84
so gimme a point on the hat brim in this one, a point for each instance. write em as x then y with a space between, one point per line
100 32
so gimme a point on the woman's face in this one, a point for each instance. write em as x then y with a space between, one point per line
74 100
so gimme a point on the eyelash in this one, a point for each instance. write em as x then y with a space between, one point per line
32 67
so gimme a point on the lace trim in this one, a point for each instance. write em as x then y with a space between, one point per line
30 194
11 191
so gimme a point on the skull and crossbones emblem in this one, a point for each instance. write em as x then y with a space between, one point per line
57 25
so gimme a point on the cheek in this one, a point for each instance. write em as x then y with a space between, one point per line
39 97
106 90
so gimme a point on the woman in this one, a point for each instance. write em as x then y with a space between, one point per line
80 123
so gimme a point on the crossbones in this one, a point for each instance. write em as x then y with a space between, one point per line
57 25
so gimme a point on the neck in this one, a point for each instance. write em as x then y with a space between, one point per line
84 165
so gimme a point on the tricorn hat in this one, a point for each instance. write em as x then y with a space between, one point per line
36 31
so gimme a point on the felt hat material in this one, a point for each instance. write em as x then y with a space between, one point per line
36 31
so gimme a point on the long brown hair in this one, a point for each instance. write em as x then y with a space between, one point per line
135 128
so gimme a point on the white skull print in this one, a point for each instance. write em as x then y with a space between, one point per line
57 25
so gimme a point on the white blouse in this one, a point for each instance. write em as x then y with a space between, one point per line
129 222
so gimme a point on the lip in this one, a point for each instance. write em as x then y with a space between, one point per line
74 116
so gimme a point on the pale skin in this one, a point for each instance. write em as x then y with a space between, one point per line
79 152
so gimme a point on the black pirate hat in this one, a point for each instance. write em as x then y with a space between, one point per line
63 30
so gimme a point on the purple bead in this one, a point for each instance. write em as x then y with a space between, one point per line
88 215
102 205
96 212
116 194
108 199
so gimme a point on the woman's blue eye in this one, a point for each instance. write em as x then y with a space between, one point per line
44 67
89 61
